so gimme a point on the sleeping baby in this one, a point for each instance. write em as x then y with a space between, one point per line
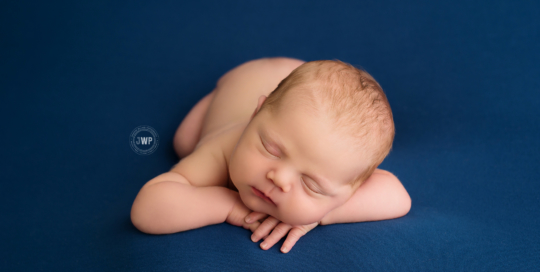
279 147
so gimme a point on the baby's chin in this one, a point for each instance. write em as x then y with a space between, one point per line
256 206
252 203
291 219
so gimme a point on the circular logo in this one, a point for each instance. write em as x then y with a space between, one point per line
144 140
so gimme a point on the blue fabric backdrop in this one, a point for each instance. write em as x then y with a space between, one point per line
77 77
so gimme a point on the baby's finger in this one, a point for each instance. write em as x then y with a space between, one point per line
279 232
264 228
255 216
253 226
292 238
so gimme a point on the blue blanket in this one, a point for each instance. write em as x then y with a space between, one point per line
77 77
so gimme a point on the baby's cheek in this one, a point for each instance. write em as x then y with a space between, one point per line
241 166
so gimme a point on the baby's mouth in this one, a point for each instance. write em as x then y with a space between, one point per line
261 195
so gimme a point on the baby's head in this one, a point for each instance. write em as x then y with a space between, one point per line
316 138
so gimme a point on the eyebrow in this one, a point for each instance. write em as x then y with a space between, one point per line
282 149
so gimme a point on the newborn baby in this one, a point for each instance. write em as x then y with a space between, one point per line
306 156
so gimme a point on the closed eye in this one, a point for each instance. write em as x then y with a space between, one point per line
267 149
309 188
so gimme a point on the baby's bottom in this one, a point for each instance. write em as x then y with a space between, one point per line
189 132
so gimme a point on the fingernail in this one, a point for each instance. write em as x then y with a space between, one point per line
248 219
284 249
263 244
253 239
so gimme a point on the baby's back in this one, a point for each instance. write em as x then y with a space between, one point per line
235 99
236 93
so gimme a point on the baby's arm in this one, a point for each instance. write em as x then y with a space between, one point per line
381 197
172 205
186 197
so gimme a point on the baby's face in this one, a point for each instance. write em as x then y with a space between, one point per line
298 162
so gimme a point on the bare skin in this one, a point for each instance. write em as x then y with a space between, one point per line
221 129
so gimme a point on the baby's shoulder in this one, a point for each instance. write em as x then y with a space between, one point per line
225 139
207 165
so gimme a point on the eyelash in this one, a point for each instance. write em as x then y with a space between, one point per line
300 178
308 186
269 151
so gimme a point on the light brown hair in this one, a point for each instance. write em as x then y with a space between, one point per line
354 100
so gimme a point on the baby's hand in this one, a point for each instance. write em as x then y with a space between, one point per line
280 229
237 215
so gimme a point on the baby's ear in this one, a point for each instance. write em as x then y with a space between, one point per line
262 98
357 185
253 115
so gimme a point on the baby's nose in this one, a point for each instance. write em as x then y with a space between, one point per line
281 180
